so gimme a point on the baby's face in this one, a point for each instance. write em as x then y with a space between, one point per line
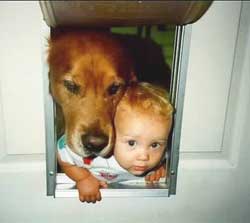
140 140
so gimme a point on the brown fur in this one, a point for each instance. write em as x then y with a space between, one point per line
85 67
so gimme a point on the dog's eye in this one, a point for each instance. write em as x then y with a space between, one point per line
113 89
71 86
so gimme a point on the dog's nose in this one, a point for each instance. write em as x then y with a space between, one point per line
95 143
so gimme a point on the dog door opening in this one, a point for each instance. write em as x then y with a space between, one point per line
151 49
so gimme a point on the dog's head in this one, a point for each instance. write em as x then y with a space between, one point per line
89 72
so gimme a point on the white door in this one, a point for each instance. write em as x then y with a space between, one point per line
213 181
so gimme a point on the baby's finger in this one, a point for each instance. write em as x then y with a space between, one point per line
88 198
163 172
98 196
93 199
157 176
82 199
146 178
152 177
103 184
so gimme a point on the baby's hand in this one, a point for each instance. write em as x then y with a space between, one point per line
89 189
157 174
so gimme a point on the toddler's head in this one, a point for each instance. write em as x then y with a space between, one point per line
143 121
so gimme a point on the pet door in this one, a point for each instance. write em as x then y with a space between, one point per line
164 22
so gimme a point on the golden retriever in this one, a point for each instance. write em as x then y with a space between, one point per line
89 71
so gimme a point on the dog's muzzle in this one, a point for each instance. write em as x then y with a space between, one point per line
95 143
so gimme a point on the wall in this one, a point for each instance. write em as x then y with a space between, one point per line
213 186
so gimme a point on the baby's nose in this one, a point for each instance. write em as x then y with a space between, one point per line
143 155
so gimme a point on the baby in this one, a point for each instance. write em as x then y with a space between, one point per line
142 122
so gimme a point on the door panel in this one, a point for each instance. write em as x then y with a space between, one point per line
209 77
21 76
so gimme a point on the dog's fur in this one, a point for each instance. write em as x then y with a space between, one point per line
89 72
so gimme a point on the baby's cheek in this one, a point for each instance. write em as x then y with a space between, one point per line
156 158
119 153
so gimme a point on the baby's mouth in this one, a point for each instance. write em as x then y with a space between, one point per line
140 168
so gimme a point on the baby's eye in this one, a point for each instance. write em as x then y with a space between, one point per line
131 143
155 145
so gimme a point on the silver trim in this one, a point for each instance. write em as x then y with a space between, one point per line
118 193
49 133
177 92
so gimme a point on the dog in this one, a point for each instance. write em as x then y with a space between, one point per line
89 72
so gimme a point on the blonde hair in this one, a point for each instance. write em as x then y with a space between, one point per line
147 98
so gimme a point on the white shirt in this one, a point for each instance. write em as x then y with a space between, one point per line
103 169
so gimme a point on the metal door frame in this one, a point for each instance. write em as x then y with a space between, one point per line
177 92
